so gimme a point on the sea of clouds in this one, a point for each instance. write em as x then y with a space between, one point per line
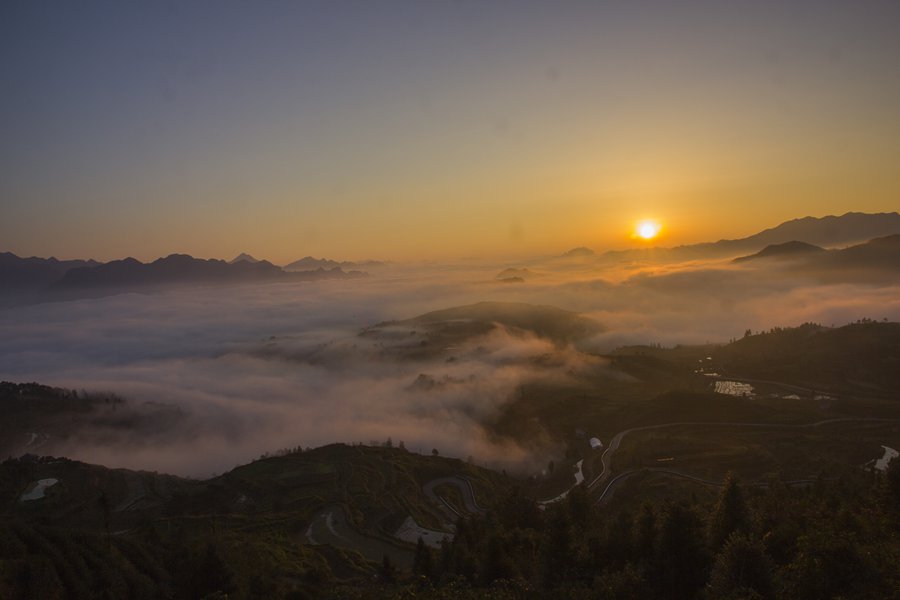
231 358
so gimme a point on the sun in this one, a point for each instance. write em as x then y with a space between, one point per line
647 230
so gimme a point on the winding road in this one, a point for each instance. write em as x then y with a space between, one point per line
610 488
465 489
606 457
331 526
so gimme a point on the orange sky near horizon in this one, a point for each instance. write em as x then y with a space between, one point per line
415 131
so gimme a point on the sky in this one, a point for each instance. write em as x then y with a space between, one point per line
428 130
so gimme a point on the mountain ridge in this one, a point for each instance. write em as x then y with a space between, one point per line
830 230
782 251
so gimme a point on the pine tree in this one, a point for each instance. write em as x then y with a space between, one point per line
645 534
423 564
729 515
388 570
742 569
681 557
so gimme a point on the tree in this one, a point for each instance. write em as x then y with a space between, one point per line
556 549
423 564
434 451
106 511
496 564
892 486
206 574
388 570
681 557
829 564
729 514
626 584
645 534
741 570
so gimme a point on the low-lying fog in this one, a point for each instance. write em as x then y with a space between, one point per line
258 368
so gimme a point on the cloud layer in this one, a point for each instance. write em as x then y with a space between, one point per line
257 368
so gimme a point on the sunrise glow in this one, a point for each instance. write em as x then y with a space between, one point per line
647 230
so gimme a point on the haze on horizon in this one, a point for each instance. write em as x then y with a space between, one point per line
398 130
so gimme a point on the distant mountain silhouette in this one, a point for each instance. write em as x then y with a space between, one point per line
579 251
309 263
511 273
876 261
825 231
25 280
30 280
18 273
175 268
780 251
243 257
880 254
832 230
178 269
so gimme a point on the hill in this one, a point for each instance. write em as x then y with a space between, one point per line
48 420
252 532
877 254
876 261
544 321
782 251
862 358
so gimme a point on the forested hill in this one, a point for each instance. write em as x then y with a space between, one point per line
862 357
834 537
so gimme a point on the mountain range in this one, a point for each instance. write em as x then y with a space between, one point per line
175 268
871 260
832 231
25 273
309 263
829 231
36 279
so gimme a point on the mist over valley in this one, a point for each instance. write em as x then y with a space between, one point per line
245 369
